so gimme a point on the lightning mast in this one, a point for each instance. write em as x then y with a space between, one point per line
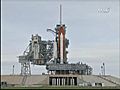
60 14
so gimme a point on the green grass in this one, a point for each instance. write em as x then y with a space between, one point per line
61 87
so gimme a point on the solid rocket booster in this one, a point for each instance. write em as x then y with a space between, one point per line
55 50
61 48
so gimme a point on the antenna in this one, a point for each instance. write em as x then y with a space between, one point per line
13 70
60 14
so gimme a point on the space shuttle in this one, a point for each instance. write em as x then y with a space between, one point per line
60 43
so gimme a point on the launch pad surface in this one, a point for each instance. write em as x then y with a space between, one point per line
60 81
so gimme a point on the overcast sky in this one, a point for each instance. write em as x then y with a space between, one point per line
92 29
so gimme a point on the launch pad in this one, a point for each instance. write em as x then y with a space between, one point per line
75 69
53 54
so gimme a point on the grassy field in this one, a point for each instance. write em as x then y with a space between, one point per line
61 87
